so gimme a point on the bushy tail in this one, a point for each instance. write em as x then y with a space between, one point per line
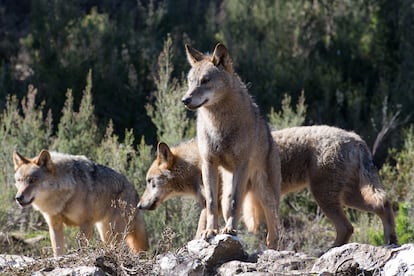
252 212
372 189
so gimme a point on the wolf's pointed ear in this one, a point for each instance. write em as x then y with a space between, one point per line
221 57
193 55
44 160
19 160
164 154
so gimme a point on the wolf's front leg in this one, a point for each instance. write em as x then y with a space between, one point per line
56 234
201 223
234 189
210 182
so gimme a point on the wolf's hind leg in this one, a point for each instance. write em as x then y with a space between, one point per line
384 211
332 208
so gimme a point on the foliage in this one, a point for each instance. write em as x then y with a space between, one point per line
404 223
78 131
288 117
167 113
397 173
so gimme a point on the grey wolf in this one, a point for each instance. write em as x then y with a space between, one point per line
335 164
234 141
72 190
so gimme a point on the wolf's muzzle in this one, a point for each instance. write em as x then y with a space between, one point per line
21 200
186 100
148 206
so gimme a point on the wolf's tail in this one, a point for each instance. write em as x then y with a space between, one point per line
372 189
252 212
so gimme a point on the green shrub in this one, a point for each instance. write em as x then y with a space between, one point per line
405 223
78 131
288 117
398 173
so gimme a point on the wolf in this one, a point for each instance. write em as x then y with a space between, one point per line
234 141
335 164
74 191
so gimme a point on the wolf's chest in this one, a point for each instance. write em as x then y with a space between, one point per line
218 148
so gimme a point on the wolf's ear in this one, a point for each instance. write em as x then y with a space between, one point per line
44 160
19 160
193 55
164 154
221 57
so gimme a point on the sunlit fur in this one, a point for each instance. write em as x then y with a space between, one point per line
72 190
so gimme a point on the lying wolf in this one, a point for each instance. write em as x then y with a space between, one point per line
234 141
72 190
335 164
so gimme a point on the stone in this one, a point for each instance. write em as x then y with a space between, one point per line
402 261
353 258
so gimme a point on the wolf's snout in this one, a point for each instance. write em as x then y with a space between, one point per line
23 201
19 199
148 205
186 100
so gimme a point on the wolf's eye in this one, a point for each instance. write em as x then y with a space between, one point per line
204 80
153 183
31 180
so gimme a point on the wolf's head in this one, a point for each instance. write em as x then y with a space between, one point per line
208 78
160 179
32 176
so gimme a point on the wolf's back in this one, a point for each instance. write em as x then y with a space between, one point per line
77 170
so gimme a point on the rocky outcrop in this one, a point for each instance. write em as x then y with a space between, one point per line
224 255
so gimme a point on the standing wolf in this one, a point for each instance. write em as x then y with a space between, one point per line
72 190
335 164
234 140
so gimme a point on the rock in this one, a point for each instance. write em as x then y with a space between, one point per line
200 257
76 271
402 262
353 258
14 261
222 248
237 268
270 262
284 261
224 255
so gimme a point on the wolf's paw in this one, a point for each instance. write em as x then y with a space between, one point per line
208 234
229 231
